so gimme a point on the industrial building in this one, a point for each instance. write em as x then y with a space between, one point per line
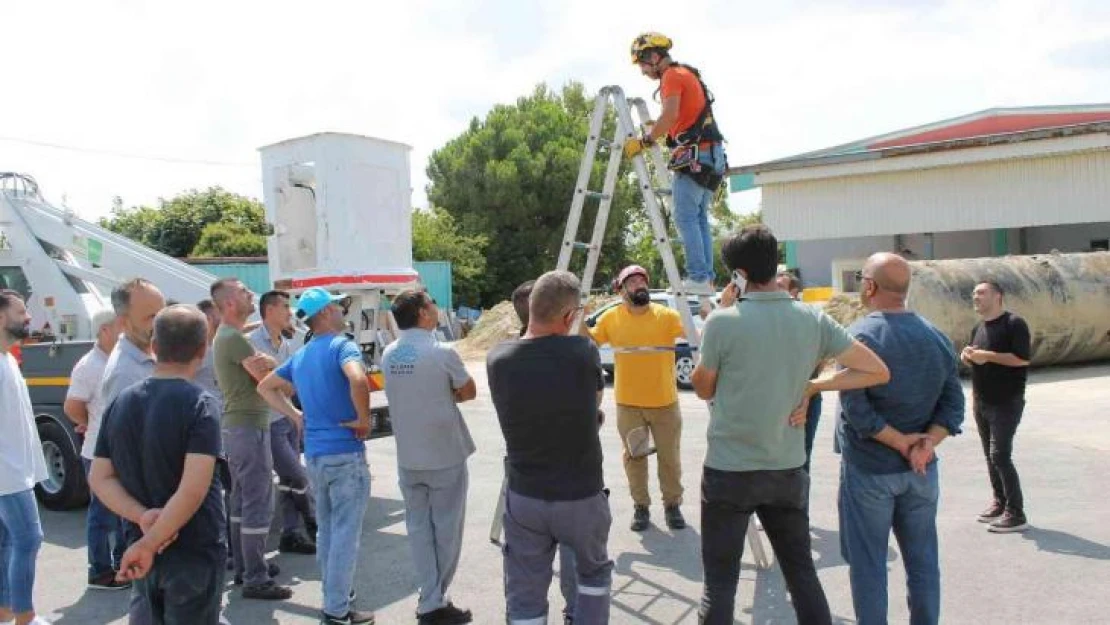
1002 181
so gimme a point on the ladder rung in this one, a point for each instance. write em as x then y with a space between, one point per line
662 190
582 245
596 195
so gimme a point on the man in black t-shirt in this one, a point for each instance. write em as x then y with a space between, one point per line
546 389
998 354
155 467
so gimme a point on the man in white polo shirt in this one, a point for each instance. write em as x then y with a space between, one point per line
424 381
84 406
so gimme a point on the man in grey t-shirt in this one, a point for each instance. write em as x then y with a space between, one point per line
423 382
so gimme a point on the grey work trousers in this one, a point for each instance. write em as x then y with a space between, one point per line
533 528
294 493
252 499
435 510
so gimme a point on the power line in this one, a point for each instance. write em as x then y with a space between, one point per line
141 157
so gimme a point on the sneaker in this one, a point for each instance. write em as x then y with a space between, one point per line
992 512
640 518
352 617
272 570
295 542
696 287
447 615
267 592
1009 522
107 581
674 518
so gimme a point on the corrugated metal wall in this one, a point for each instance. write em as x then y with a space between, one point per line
1015 193
436 275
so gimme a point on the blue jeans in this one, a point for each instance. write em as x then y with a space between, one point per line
103 534
871 505
691 216
20 539
342 486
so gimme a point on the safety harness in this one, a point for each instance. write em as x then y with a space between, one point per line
686 145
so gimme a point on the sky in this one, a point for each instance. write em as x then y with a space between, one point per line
149 99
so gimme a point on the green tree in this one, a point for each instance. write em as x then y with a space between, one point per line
225 238
175 226
436 236
510 177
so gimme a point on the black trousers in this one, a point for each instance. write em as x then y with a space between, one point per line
998 423
780 498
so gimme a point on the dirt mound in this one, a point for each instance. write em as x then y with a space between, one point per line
500 323
845 309
495 325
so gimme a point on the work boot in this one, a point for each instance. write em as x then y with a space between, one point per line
107 581
352 617
674 518
1009 522
992 512
272 570
640 518
447 615
269 591
296 542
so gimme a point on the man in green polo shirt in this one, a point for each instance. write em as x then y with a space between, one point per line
246 431
759 350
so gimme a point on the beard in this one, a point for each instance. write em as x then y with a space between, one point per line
18 330
640 297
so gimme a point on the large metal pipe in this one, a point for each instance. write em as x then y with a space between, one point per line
1065 298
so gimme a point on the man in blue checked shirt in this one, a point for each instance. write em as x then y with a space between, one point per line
888 435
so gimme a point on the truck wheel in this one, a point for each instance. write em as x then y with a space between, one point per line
65 487
684 371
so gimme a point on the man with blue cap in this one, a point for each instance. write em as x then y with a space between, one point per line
329 378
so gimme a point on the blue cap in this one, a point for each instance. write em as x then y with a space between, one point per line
314 300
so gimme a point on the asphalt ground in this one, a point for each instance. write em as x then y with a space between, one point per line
1058 572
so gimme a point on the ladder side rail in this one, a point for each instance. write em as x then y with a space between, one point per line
602 221
581 187
658 159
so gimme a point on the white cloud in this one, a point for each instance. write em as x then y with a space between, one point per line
212 81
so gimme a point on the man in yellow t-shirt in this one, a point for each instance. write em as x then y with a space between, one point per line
645 389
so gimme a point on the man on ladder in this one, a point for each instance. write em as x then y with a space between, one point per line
697 155
646 392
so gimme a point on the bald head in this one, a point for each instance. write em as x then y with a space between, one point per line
890 272
180 334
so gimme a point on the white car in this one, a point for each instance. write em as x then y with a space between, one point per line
683 357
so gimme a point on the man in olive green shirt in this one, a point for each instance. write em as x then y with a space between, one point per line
246 431
759 349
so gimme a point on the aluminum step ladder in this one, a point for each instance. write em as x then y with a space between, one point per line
654 183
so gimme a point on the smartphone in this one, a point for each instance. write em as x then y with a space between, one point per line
739 281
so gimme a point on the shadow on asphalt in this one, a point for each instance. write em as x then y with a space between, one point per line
95 606
1065 373
676 552
64 529
1066 544
379 550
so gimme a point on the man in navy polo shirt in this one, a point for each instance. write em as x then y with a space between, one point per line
329 378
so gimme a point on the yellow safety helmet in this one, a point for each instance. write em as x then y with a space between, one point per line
649 41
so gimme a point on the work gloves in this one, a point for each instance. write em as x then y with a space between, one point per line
634 146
